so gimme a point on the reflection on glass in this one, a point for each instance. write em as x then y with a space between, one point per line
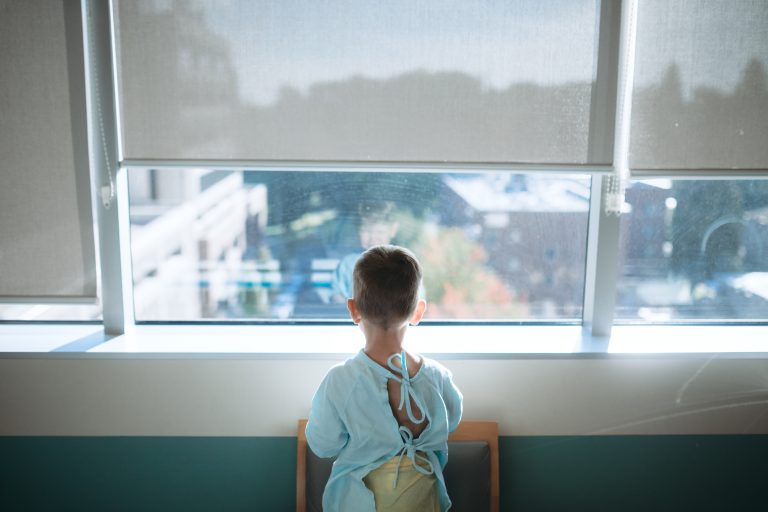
400 80
281 245
701 92
694 250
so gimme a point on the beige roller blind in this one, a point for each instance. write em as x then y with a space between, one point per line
46 226
701 88
350 80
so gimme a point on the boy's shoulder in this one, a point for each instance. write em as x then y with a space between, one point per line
343 375
434 369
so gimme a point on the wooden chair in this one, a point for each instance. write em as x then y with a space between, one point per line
473 453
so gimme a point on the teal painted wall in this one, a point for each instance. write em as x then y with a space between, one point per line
147 473
634 473
624 473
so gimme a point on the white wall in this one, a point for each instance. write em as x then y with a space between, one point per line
262 396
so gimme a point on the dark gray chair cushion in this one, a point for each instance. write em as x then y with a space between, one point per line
467 477
318 472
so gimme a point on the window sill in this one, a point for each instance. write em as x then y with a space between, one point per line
333 342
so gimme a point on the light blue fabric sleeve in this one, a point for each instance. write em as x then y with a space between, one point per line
326 433
341 281
454 401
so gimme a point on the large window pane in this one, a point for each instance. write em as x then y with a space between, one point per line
694 250
700 92
281 245
419 81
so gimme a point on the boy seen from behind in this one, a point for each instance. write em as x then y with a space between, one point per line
385 413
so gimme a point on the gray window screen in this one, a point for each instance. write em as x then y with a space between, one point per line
396 81
700 91
46 226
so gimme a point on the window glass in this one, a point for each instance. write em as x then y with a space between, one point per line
694 250
401 80
50 312
700 90
280 246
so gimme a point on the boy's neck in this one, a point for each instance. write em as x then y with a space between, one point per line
382 343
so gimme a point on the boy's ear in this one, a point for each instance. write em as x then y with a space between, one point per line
421 307
353 312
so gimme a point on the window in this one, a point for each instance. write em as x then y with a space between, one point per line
278 245
259 147
694 250
408 87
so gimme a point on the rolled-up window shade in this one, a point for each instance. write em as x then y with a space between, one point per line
46 226
700 90
399 81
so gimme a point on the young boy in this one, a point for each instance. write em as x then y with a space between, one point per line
386 412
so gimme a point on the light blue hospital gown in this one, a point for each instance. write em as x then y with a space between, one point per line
351 418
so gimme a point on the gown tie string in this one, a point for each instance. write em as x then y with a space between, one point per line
406 389
410 451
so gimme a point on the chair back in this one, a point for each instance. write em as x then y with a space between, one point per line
471 475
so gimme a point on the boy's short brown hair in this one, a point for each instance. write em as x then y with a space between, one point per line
386 284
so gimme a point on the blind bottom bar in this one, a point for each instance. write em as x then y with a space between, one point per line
352 166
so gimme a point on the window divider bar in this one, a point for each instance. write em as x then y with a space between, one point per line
603 233
109 181
602 263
